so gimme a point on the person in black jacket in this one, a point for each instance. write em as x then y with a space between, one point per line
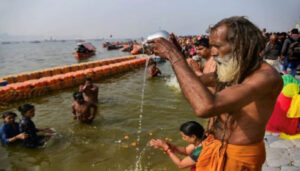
27 126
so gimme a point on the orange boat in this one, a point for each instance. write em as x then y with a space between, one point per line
84 50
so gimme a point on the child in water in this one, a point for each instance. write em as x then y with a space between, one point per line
28 127
191 132
9 130
82 110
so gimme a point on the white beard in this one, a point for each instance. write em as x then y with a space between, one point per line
227 68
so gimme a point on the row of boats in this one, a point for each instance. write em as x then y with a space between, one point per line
85 50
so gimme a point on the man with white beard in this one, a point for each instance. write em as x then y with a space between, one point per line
246 92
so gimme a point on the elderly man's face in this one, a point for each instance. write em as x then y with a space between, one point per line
227 66
219 46
273 38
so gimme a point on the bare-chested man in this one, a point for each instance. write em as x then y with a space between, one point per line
83 110
153 70
203 51
246 87
90 91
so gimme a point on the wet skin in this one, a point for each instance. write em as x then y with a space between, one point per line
250 104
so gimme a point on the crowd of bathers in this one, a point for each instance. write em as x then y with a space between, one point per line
25 132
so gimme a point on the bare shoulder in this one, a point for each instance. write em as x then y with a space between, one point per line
73 104
80 87
265 80
95 87
190 148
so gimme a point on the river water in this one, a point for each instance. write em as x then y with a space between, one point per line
101 145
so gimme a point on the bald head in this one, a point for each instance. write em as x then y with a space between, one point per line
273 38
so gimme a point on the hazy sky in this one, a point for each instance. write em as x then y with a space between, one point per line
136 18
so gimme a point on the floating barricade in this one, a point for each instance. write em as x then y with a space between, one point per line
64 69
41 82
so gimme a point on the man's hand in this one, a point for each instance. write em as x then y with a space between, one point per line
173 39
47 130
162 47
22 136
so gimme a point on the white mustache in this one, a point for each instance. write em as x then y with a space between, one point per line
227 68
223 60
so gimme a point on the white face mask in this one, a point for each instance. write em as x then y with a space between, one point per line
227 68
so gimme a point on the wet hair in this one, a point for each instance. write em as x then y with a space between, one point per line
25 108
88 79
246 41
78 96
295 31
191 128
8 113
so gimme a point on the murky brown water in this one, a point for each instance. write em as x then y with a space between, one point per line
101 146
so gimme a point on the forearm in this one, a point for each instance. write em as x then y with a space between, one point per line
175 159
13 139
208 79
192 87
178 149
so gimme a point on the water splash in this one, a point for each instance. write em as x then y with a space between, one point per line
138 165
173 83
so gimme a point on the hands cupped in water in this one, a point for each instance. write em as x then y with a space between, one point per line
163 47
159 144
48 130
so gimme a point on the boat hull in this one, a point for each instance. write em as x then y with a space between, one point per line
81 56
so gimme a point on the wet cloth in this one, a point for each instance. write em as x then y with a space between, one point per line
7 132
195 155
33 140
229 157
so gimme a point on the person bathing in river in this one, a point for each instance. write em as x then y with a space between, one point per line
90 91
83 110
191 132
246 91
27 126
153 70
9 130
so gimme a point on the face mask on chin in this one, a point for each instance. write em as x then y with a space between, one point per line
227 68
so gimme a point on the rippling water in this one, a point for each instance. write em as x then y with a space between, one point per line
100 146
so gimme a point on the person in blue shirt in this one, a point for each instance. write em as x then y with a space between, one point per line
9 130
27 126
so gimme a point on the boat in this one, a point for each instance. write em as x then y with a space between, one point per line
85 50
114 47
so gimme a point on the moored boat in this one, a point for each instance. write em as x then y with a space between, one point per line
85 50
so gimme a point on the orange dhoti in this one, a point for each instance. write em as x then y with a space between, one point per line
215 157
